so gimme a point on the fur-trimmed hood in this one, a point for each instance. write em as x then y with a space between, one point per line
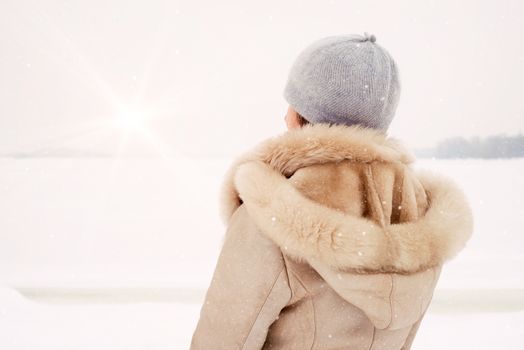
310 231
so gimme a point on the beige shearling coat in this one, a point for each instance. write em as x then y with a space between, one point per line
333 242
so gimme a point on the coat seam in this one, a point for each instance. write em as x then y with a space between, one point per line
288 270
381 200
391 301
309 296
382 219
261 308
314 322
372 338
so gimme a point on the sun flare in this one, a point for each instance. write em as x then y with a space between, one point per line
131 119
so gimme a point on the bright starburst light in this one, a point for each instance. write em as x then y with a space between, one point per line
131 119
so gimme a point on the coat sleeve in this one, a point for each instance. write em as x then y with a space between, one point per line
248 290
412 333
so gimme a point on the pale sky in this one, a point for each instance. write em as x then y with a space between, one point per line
207 77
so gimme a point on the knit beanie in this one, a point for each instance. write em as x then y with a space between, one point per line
344 79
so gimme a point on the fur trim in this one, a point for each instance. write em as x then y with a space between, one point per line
307 230
313 144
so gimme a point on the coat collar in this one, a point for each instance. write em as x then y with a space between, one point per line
259 180
313 144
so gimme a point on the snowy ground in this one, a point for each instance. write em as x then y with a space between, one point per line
27 325
105 254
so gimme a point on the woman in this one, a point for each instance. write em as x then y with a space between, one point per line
333 241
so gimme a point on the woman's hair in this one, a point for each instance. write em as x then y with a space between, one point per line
301 120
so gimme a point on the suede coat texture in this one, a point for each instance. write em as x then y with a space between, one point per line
333 242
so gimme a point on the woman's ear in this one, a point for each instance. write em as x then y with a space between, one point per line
293 119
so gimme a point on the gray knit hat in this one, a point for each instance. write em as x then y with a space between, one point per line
344 79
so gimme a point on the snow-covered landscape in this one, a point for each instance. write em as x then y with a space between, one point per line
119 119
29 325
116 253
